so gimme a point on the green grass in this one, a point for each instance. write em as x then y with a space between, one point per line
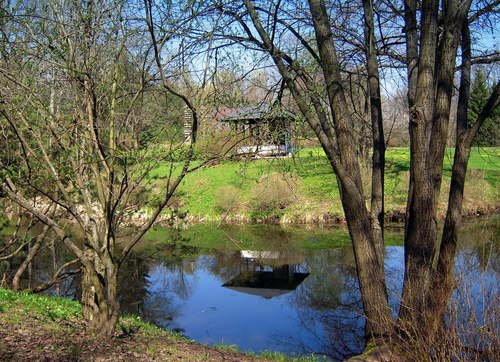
16 305
273 355
280 357
316 192
54 308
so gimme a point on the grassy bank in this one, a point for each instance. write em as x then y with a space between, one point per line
38 327
303 188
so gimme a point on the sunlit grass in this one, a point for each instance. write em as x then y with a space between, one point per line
316 191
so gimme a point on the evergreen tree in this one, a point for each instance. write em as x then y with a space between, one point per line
489 133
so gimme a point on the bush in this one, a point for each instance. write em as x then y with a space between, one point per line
477 188
396 188
215 144
227 199
274 191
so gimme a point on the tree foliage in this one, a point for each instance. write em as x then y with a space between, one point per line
489 133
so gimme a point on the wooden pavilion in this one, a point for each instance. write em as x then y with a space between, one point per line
265 130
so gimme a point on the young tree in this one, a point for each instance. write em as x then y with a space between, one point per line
332 123
70 92
489 133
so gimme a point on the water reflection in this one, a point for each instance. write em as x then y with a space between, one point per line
266 274
290 299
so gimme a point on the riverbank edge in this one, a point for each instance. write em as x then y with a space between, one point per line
41 327
139 218
394 216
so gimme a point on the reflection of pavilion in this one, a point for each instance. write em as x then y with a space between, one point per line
262 274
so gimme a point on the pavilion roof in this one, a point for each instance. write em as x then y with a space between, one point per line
258 112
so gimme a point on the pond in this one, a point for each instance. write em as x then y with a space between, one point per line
292 290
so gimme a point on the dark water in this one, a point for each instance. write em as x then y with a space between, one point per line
282 289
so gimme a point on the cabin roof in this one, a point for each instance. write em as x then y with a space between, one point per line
260 112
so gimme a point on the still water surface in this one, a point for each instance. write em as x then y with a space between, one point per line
268 288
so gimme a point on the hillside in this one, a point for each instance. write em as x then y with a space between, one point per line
303 189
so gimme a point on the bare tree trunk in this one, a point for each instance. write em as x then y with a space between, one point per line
378 157
340 146
370 273
99 294
421 225
443 282
16 280
367 247
52 247
429 119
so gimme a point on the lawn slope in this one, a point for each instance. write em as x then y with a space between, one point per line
236 190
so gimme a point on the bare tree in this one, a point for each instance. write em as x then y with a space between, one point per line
332 123
68 102
431 52
428 51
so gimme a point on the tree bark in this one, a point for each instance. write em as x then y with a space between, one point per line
340 147
99 294
429 119
443 282
368 249
378 156
421 226
370 273
16 280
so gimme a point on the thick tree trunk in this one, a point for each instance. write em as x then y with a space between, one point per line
429 119
99 295
341 151
443 282
368 247
421 225
370 273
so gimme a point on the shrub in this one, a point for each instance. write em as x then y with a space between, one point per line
215 144
274 191
227 198
477 188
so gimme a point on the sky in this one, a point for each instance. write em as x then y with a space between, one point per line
243 60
